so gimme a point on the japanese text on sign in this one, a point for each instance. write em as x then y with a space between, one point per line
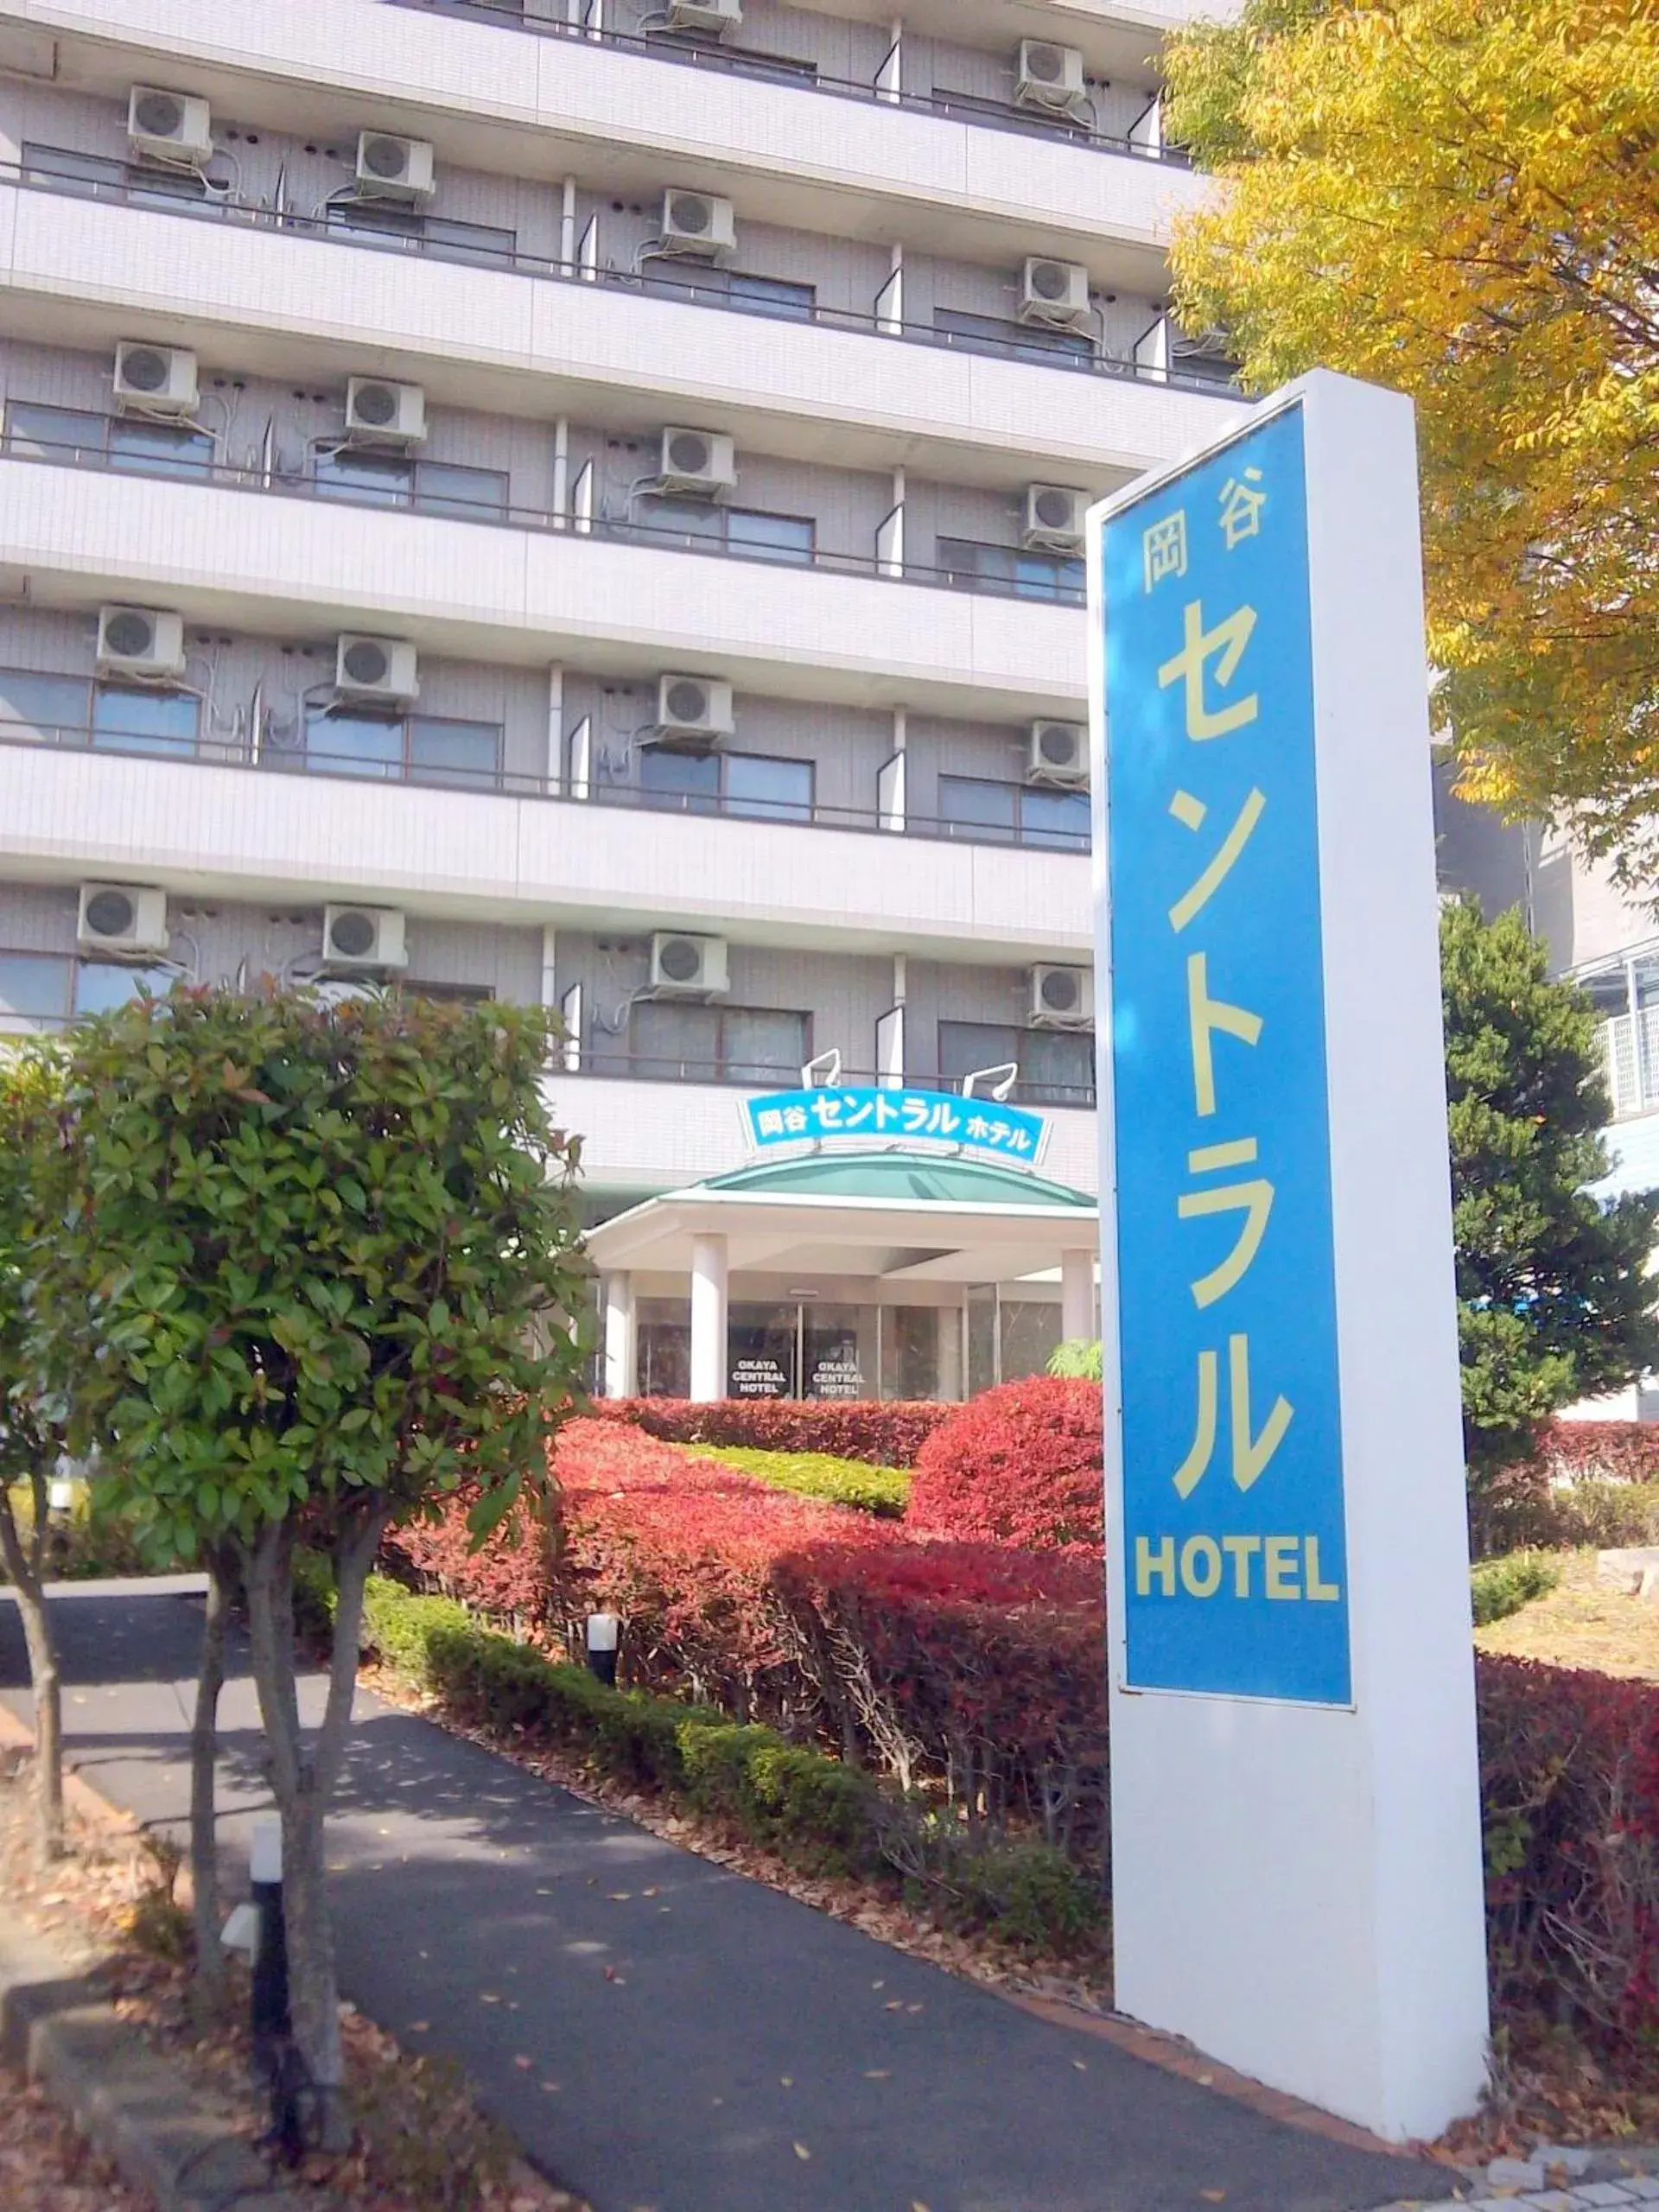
1235 1554
923 1118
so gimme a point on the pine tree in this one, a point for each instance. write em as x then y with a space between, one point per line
1554 1302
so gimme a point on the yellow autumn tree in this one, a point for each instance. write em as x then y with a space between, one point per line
1460 198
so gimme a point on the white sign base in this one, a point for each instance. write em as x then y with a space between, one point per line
1298 1887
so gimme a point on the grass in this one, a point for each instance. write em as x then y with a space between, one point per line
885 1491
1580 1623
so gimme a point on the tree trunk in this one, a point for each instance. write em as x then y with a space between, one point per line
208 1988
303 1779
23 1564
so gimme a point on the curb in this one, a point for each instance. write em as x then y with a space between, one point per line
120 2094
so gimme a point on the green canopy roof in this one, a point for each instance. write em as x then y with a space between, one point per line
908 1177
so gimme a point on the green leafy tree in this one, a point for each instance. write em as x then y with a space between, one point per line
1554 1302
319 1266
30 1435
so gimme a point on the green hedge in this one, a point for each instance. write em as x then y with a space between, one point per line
884 1490
816 1813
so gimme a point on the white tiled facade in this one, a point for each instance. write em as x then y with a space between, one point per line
866 836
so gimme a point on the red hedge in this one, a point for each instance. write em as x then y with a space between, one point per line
883 1434
983 1668
1607 1450
1019 1464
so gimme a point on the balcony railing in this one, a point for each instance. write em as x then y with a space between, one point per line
633 1067
263 755
159 193
1026 576
780 69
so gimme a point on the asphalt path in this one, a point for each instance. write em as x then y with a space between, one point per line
660 2034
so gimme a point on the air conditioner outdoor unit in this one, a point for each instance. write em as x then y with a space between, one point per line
701 462
155 379
693 710
1049 76
1055 294
696 226
376 669
142 641
1062 998
394 169
384 414
355 938
695 966
174 127
1054 517
718 15
121 918
1058 754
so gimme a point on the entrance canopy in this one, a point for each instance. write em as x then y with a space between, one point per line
888 1273
898 1215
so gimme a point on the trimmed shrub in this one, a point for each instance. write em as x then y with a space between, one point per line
1522 1509
1499 1587
1020 1465
816 1474
1570 1788
884 1435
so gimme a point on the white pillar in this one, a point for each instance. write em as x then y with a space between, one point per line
621 1337
707 1318
1077 1295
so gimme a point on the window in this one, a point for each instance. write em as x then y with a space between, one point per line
1056 1067
989 333
717 1044
100 175
101 985
732 287
734 783
418 748
129 721
1010 567
455 241
399 480
159 448
44 709
1026 814
447 994
34 988
53 433
741 531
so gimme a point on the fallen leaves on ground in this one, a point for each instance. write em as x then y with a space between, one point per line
46 2167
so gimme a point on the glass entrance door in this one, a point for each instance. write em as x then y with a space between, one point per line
763 1346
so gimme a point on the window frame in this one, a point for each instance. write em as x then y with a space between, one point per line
718 800
717 1069
1026 1089
385 770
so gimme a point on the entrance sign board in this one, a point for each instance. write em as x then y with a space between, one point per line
1297 1876
1232 1448
924 1120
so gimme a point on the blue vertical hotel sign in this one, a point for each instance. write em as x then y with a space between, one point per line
1234 1547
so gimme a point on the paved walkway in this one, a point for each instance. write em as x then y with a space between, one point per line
658 2032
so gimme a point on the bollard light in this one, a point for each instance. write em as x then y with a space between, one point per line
603 1631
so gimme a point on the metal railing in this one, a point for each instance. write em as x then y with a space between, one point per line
300 758
134 190
657 1067
445 507
806 76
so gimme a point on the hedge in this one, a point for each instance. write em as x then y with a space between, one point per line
1607 1450
885 1491
969 1666
981 1668
887 1434
1021 1464
1499 1587
814 1813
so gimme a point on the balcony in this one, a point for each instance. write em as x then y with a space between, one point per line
241 558
494 90
493 329
234 828
655 1136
